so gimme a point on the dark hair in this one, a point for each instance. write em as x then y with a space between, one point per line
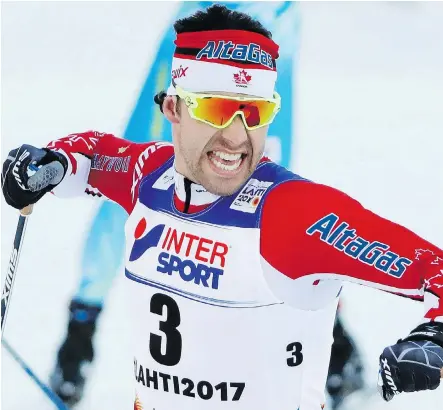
218 17
159 98
215 17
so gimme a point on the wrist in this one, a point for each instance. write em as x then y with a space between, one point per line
57 156
432 331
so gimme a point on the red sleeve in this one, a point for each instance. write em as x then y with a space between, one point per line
103 165
325 232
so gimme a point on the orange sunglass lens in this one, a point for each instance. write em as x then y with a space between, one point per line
266 111
219 111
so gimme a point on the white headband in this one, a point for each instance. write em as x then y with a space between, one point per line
232 61
203 76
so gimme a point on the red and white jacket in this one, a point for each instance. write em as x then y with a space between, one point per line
102 165
253 277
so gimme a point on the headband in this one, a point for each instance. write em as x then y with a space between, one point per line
233 61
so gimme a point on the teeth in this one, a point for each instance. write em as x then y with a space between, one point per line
224 166
226 156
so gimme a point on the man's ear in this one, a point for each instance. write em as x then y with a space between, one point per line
171 109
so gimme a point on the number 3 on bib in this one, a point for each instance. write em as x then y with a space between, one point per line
296 358
169 327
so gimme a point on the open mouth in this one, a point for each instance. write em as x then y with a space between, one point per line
226 162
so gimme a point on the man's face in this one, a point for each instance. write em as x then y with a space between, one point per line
221 160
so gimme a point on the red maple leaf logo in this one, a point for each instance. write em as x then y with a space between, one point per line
420 252
426 253
242 77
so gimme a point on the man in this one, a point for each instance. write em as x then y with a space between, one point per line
103 250
233 263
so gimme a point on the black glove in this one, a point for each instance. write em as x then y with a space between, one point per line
29 172
415 363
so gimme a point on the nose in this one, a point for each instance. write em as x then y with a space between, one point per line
235 134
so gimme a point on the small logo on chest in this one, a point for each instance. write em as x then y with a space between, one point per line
250 196
191 257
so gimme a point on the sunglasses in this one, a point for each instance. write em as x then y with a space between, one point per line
220 110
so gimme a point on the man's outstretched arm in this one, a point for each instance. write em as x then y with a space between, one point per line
312 234
96 164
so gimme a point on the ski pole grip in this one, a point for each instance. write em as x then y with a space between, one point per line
27 210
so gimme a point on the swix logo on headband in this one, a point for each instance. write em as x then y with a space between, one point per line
227 50
179 72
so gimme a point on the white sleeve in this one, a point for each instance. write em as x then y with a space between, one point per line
310 292
74 183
